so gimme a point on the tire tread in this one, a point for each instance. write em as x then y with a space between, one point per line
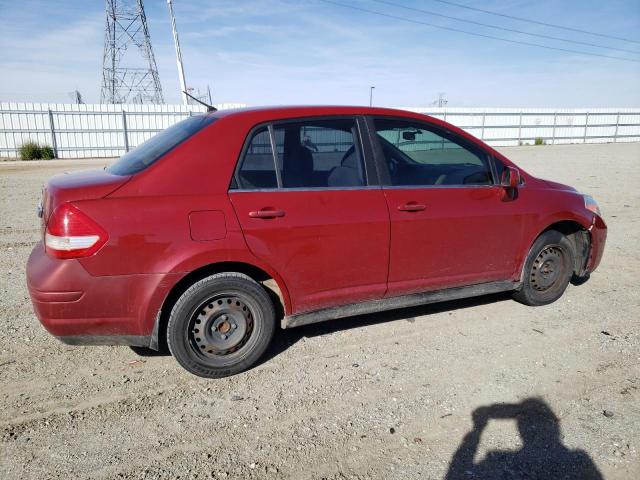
241 281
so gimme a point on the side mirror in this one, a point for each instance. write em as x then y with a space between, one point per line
510 177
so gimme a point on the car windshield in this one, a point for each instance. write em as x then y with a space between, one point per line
150 151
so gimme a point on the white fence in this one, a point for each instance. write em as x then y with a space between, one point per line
77 131
515 126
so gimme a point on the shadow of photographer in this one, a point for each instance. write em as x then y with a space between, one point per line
542 456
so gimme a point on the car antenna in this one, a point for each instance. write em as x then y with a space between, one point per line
210 108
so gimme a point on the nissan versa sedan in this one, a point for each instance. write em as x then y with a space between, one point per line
212 231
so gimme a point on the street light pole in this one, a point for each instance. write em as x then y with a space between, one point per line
371 96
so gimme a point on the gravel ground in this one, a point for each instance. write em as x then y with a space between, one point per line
396 395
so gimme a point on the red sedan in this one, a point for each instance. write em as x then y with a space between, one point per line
211 231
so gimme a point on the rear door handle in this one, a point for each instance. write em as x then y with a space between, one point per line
266 213
411 207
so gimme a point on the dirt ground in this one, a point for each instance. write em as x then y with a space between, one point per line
386 396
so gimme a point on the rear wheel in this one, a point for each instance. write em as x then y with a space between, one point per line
547 270
221 325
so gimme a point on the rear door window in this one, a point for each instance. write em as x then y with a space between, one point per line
319 154
257 169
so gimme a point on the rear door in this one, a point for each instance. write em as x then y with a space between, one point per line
451 225
311 207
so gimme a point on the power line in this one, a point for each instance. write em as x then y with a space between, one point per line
498 27
562 27
452 29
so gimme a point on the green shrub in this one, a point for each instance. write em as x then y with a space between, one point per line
32 151
47 152
539 141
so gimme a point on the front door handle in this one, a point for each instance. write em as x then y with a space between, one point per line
266 213
411 207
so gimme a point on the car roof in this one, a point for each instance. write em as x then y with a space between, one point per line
293 111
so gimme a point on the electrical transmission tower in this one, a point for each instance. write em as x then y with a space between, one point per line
129 71
441 101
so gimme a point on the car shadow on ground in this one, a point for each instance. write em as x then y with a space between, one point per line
542 455
284 339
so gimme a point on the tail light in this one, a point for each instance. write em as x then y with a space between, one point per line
72 234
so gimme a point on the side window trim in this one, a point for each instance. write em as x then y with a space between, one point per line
274 154
362 143
236 182
372 172
383 169
378 155
494 169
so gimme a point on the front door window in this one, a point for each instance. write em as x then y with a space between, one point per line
418 155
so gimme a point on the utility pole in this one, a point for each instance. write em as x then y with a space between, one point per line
371 96
176 41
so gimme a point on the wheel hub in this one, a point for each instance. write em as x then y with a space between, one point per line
221 326
547 268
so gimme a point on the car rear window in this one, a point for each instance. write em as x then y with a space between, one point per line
150 151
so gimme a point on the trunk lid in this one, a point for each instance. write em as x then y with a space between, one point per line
76 186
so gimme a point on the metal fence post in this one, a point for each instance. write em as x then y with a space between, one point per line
553 132
54 144
520 128
124 131
484 114
586 125
615 134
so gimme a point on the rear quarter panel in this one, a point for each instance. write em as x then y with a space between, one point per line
148 218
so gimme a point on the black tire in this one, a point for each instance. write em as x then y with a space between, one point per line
221 325
547 270
148 352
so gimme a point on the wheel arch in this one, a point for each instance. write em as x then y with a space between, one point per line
576 230
273 283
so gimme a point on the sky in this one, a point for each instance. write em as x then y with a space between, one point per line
273 52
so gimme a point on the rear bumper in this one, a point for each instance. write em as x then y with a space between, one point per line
81 309
598 231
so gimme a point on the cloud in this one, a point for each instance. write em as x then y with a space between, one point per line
284 51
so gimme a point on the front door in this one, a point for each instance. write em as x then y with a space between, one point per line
450 224
307 209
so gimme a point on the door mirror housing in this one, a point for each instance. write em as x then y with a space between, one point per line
510 177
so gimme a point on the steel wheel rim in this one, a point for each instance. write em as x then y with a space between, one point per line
548 267
220 326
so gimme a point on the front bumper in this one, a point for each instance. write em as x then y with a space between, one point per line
81 309
598 232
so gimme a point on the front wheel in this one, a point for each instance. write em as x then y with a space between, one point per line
547 270
221 325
